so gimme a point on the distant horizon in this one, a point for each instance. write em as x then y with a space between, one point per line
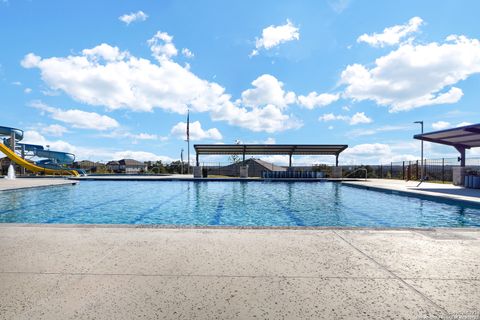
110 80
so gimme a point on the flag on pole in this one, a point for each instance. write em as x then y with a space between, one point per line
188 125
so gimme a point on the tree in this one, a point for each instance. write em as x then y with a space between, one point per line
234 158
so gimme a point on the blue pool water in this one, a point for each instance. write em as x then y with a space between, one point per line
229 204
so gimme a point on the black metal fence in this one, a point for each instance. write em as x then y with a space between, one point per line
439 170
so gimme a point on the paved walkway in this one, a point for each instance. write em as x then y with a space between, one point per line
447 191
68 272
22 183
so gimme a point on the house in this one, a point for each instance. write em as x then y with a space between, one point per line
89 166
129 166
113 166
132 166
255 168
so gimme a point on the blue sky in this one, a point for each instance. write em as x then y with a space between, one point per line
113 79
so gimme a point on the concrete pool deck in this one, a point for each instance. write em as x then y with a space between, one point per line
437 190
25 183
116 272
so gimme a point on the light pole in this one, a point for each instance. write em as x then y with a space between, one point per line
181 159
188 141
422 172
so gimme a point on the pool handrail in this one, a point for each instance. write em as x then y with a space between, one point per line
359 169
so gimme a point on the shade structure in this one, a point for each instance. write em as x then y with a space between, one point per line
270 149
461 138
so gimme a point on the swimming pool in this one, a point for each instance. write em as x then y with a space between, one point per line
229 204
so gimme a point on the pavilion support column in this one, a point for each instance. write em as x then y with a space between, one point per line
12 141
462 155
458 173
197 170
337 171
290 161
23 157
244 167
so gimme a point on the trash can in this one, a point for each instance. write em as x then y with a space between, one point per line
476 182
468 181
204 172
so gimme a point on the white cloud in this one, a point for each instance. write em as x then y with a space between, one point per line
16 83
357 118
369 132
196 132
378 153
268 119
78 118
30 61
144 136
270 140
317 100
339 5
392 35
187 53
34 137
27 90
90 153
134 137
55 130
440 125
268 90
50 93
330 117
273 36
140 156
132 17
107 76
105 52
413 76
369 149
162 47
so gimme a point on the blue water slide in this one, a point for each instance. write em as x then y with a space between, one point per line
56 156
52 157
6 131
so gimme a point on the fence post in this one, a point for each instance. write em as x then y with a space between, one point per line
381 171
416 171
443 170
391 170
403 170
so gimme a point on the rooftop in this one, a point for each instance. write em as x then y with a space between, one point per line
273 149
464 137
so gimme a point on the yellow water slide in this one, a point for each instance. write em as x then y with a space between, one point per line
30 166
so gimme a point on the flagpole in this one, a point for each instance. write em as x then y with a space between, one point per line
188 141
